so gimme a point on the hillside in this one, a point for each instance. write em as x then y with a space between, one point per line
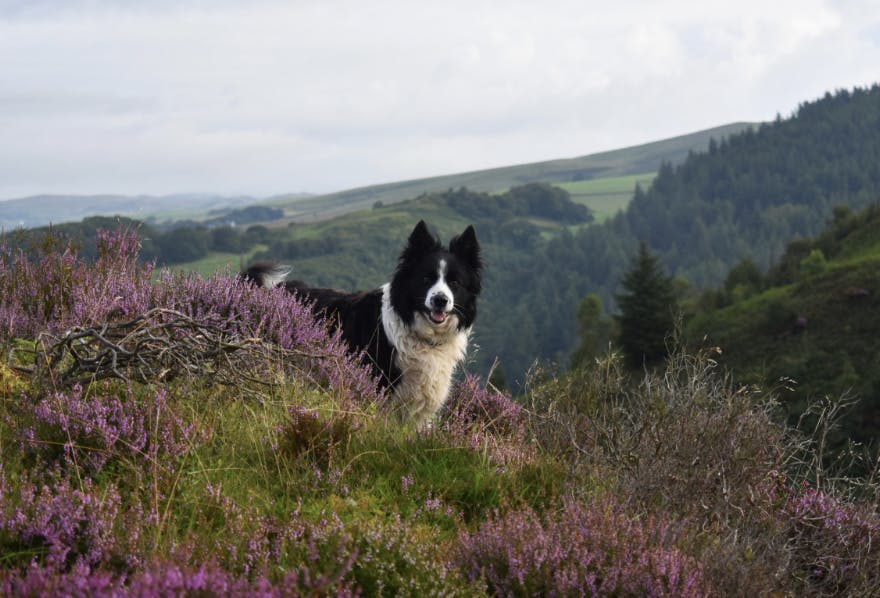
193 437
635 160
814 319
747 196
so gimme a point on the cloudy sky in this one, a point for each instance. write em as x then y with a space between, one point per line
266 97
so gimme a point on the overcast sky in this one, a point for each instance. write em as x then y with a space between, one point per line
267 97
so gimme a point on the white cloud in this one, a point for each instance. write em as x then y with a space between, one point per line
268 97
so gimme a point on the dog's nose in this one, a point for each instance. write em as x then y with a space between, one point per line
439 301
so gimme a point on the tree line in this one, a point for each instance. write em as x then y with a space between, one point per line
744 199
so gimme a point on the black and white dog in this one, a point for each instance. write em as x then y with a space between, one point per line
413 330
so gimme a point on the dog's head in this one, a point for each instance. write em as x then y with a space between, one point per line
435 288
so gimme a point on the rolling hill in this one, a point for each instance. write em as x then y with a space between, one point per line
636 160
616 167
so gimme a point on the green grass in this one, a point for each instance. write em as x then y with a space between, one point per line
608 196
219 261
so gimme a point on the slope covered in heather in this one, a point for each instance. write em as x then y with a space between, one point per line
198 436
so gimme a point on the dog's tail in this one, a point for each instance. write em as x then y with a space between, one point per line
266 274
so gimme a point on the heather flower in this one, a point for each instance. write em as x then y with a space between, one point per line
80 582
170 579
317 556
834 545
91 429
595 550
393 560
277 316
62 525
55 290
487 420
245 541
432 503
160 579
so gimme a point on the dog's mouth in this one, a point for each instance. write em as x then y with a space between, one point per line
437 317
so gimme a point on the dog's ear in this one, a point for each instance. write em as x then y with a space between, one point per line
466 247
421 239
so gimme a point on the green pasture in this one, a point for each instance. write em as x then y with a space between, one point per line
607 196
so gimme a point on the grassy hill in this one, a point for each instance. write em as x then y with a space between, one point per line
196 438
605 197
630 161
814 319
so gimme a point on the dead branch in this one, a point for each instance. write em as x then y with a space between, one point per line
160 345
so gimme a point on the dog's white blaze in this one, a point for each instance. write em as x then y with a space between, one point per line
427 356
441 288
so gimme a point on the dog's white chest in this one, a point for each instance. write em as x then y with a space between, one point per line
427 358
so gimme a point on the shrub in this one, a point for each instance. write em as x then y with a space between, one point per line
276 316
683 440
63 525
683 436
595 550
395 560
833 545
487 420
164 578
308 435
54 290
88 429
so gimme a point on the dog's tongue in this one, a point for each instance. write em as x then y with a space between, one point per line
438 316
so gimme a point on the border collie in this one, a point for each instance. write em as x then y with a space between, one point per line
414 330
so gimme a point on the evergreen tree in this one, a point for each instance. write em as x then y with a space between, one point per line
647 306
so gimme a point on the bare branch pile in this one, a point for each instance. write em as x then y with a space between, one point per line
160 345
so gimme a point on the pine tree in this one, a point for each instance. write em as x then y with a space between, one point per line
647 306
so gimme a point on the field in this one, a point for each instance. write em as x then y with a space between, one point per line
605 197
217 261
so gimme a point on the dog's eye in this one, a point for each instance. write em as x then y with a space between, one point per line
427 279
